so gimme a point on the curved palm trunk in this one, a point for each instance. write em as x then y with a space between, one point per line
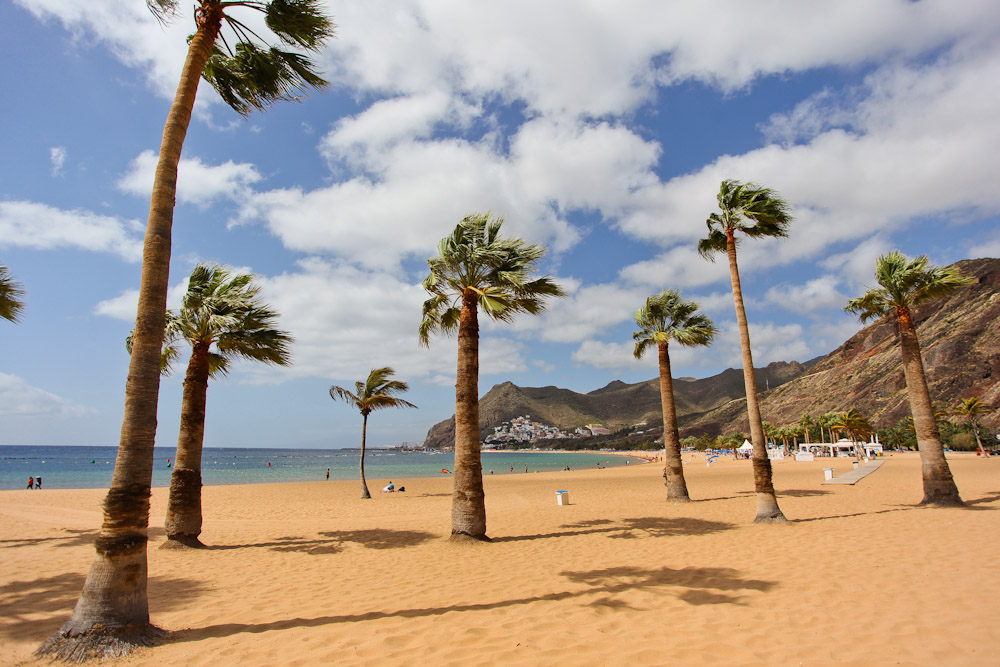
939 485
364 482
183 524
767 503
468 506
112 614
676 486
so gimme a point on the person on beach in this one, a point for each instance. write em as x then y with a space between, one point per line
38 482
388 488
31 482
512 468
327 473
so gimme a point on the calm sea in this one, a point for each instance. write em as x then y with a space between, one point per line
91 467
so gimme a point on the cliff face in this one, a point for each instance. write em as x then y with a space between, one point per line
959 338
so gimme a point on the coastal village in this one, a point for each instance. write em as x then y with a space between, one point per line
522 429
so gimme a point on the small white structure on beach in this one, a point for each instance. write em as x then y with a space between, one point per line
842 448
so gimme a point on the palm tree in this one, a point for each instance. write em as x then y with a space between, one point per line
857 426
663 318
907 283
112 613
11 292
806 424
972 409
223 310
376 393
755 212
476 268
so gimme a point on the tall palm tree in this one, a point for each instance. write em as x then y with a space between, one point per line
476 268
375 393
857 426
907 283
11 292
972 409
223 319
755 212
663 318
806 424
112 613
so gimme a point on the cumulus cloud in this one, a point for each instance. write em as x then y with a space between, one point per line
812 295
34 225
124 306
197 182
19 399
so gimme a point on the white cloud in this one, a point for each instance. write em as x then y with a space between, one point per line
197 182
124 306
34 225
19 399
610 355
812 295
57 156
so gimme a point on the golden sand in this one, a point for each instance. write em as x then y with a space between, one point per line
308 573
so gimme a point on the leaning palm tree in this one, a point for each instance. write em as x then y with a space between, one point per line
223 319
755 212
971 409
476 268
375 393
11 292
857 426
663 318
112 613
907 283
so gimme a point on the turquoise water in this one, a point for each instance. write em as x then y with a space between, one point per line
91 467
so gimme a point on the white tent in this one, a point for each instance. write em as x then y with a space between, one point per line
745 447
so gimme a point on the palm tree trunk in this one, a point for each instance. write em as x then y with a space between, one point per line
975 429
676 485
364 483
183 523
468 507
767 502
939 485
112 614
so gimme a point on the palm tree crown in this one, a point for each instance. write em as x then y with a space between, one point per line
249 74
11 292
375 393
223 309
667 316
905 283
476 260
742 204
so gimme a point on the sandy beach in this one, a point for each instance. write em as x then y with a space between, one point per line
308 573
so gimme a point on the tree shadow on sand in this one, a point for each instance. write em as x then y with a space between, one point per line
630 528
333 541
21 602
695 585
791 493
73 538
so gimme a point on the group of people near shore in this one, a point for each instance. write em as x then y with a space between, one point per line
35 482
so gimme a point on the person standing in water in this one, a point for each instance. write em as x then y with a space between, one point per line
327 473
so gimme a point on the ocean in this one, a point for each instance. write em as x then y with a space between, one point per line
67 467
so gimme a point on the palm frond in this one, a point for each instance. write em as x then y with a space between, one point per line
299 23
667 316
11 291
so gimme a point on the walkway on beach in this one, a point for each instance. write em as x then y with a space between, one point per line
857 474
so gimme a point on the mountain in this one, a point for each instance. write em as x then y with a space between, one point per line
959 339
960 345
614 405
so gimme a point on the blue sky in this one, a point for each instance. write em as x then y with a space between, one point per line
601 130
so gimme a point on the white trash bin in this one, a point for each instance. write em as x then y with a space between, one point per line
562 497
828 473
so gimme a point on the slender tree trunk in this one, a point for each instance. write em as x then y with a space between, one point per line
468 507
676 485
183 524
364 482
975 429
939 485
112 614
767 502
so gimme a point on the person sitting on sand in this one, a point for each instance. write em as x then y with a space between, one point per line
389 488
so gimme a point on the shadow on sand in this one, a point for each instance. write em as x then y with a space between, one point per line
333 542
696 586
630 528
